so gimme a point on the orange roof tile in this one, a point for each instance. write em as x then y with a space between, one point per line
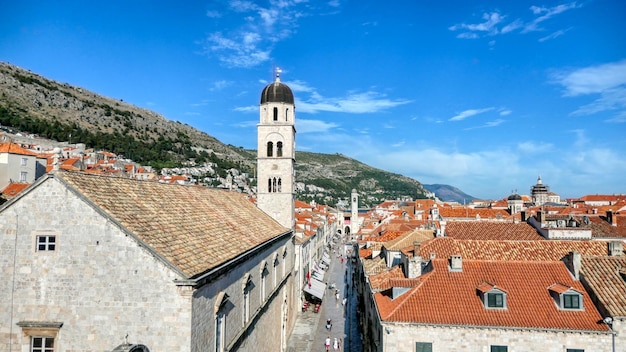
444 297
14 188
13 148
483 230
444 247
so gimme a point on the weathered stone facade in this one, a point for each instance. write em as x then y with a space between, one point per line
403 337
100 283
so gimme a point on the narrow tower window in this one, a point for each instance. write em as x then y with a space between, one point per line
279 149
279 185
275 114
287 114
269 185
274 187
270 148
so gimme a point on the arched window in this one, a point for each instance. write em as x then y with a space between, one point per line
270 148
269 185
274 186
264 273
246 286
279 149
220 321
279 189
287 114
275 114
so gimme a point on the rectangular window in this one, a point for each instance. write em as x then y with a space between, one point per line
571 302
495 348
42 344
495 300
23 176
46 243
423 347
24 161
575 350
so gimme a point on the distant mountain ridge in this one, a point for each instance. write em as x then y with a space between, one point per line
449 193
59 111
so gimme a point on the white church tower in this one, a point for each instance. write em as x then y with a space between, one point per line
354 212
276 153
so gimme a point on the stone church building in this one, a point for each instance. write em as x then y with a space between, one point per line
94 263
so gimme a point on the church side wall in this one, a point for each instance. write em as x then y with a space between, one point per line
98 282
271 317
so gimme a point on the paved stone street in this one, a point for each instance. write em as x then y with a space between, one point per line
310 332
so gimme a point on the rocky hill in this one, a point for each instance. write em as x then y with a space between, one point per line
449 193
58 111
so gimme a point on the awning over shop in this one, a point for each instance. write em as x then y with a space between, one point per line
318 275
315 288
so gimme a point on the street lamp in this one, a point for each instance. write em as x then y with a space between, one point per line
609 321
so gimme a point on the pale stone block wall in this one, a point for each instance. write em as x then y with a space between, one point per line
402 337
266 329
98 282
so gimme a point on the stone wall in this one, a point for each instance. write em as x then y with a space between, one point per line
403 337
272 315
98 281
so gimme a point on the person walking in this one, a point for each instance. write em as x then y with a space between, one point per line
336 345
327 344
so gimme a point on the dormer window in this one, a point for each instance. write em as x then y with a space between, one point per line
492 296
566 297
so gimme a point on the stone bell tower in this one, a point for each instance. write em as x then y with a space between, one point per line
276 153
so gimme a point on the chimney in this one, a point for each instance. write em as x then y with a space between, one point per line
616 248
541 217
416 248
443 228
574 264
415 267
611 218
456 263
523 215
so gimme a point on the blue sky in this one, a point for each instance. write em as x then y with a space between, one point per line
482 95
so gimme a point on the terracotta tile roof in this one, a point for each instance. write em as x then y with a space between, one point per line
13 148
195 228
408 238
600 227
13 189
381 281
444 297
374 266
604 276
486 230
466 212
444 247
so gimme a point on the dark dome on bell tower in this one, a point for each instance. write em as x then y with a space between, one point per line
277 92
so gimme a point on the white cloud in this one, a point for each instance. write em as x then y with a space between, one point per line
529 147
547 13
250 108
489 25
593 79
355 103
504 112
554 35
607 80
493 23
468 113
488 124
251 42
314 126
